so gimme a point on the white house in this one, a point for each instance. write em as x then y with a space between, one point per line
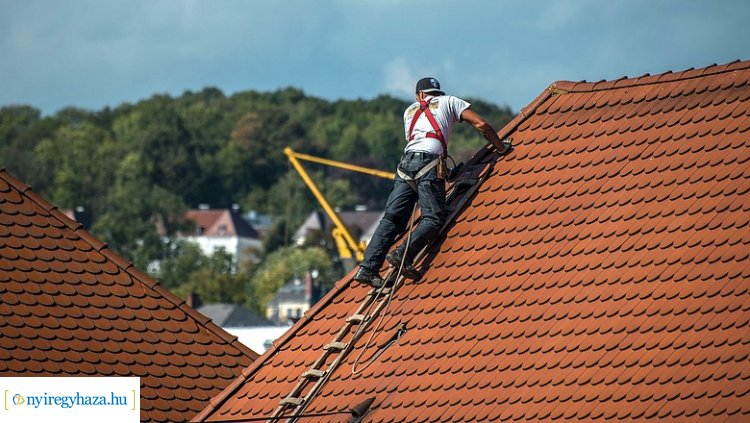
223 228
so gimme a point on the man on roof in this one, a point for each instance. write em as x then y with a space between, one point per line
420 177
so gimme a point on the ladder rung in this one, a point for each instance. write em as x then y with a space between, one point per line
335 346
314 374
380 291
356 318
292 401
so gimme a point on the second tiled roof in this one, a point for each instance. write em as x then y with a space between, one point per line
69 306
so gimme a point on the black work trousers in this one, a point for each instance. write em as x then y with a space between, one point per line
431 196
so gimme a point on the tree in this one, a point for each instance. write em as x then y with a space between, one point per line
254 157
135 206
282 266
21 129
139 165
180 260
156 132
81 159
214 281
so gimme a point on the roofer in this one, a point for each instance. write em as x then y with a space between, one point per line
421 176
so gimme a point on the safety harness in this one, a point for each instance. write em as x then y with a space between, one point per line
424 107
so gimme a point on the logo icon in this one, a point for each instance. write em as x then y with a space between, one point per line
434 83
18 399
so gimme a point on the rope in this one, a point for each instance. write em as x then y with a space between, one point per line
387 304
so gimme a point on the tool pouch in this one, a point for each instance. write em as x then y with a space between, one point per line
442 168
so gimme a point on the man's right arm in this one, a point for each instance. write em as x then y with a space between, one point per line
483 127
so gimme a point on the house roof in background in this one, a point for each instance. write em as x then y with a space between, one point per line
220 222
599 271
232 315
360 223
70 306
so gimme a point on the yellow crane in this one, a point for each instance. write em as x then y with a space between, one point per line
347 246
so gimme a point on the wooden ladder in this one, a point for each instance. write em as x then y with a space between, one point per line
313 379
316 376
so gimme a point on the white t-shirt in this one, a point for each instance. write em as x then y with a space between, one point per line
446 109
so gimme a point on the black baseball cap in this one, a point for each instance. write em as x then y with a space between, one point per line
429 85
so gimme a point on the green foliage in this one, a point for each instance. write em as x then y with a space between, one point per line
211 278
206 147
21 129
282 266
180 260
156 132
131 226
288 201
14 121
82 158
140 164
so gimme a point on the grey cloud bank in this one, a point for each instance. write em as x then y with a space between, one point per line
93 54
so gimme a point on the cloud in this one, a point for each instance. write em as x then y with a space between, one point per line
91 53
399 77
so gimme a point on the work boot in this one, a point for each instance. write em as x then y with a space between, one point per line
395 258
368 277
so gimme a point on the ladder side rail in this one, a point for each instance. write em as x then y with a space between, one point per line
302 383
337 361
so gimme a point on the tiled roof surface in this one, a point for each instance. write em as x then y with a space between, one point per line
69 306
601 271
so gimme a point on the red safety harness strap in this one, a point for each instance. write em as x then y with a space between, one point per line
424 107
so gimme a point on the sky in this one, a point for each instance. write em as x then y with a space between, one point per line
96 53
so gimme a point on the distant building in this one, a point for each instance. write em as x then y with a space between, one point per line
232 315
294 299
251 329
223 228
361 223
262 223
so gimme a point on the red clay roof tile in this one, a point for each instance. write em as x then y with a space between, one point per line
69 306
599 272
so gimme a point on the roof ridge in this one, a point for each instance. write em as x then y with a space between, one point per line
121 262
511 126
563 86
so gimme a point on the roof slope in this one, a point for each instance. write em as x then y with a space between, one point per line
69 306
599 272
